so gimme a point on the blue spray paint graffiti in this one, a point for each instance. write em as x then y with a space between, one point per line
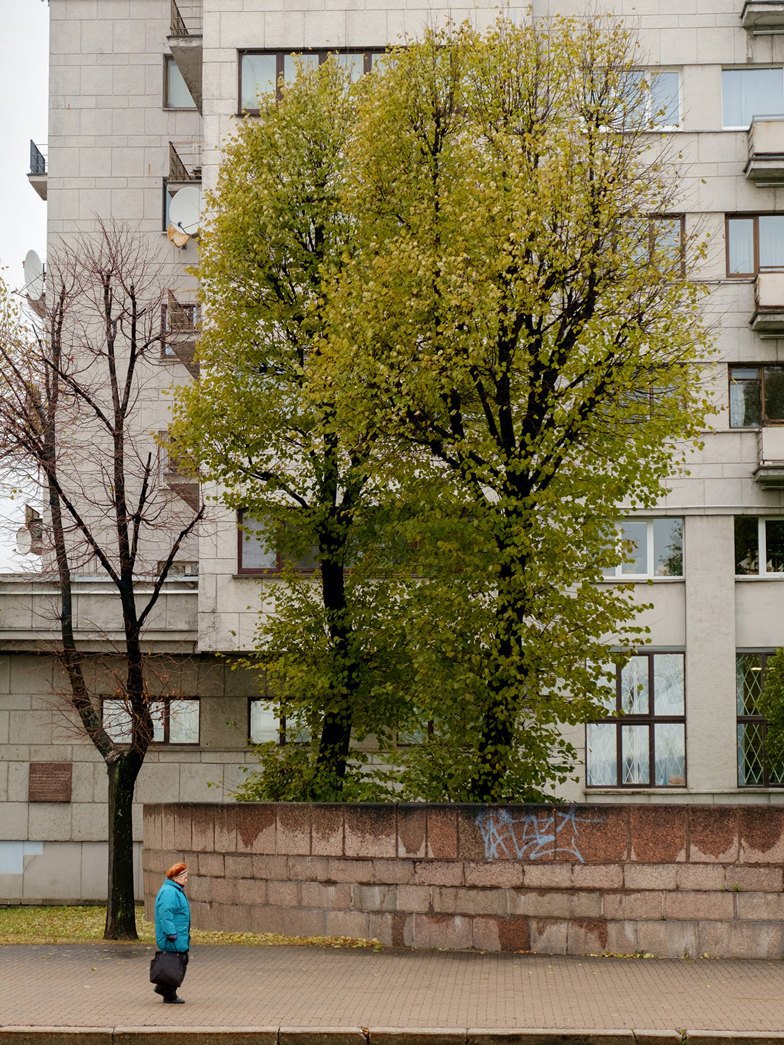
532 835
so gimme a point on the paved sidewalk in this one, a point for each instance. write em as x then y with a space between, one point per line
235 993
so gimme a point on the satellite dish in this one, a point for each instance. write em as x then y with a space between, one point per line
24 540
34 275
185 210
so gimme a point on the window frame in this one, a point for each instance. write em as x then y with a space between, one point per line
280 566
280 56
765 421
650 719
746 69
615 573
168 60
166 718
762 547
651 74
754 217
750 719
283 737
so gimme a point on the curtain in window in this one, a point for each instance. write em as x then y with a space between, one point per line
751 92
771 241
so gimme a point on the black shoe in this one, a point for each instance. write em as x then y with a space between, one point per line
158 989
174 1001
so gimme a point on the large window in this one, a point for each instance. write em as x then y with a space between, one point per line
756 396
755 243
751 92
759 546
655 549
175 94
266 724
642 740
754 766
662 99
256 555
175 720
262 71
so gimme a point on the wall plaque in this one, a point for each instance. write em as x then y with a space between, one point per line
50 782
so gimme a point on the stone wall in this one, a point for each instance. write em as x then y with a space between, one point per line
668 880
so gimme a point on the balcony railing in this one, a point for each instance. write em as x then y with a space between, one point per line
765 165
763 17
37 173
37 159
770 455
185 18
185 43
768 318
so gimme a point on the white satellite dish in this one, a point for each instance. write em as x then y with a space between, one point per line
34 275
24 541
185 210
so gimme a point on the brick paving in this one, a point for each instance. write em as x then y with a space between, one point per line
106 985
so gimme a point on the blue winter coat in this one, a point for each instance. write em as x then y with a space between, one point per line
172 917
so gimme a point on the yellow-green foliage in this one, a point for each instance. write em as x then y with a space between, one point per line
447 342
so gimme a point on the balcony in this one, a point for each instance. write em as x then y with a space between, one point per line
37 173
763 17
185 44
768 318
29 614
765 165
181 329
770 448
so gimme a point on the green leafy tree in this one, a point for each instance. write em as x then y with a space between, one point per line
263 430
520 322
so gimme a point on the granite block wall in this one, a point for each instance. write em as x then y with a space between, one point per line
603 879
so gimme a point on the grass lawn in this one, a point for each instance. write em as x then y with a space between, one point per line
85 925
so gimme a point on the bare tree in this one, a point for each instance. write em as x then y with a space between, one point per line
74 396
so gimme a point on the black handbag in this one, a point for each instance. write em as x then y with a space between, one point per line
167 969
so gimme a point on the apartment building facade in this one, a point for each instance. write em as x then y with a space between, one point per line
143 94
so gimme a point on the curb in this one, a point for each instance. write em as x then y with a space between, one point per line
374 1036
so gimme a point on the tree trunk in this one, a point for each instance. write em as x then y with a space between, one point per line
120 905
488 780
335 740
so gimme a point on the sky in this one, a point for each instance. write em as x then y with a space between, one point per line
24 74
24 48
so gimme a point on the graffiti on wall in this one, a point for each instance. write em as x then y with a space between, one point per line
529 836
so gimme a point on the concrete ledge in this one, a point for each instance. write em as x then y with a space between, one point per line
375 1036
322 1036
404 1035
492 1036
203 1035
57 1035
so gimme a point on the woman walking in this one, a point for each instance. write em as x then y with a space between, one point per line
173 924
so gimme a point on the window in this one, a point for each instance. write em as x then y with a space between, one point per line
755 242
660 240
656 548
266 724
261 71
756 396
182 321
662 98
255 556
175 720
642 741
176 94
754 767
751 92
759 546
